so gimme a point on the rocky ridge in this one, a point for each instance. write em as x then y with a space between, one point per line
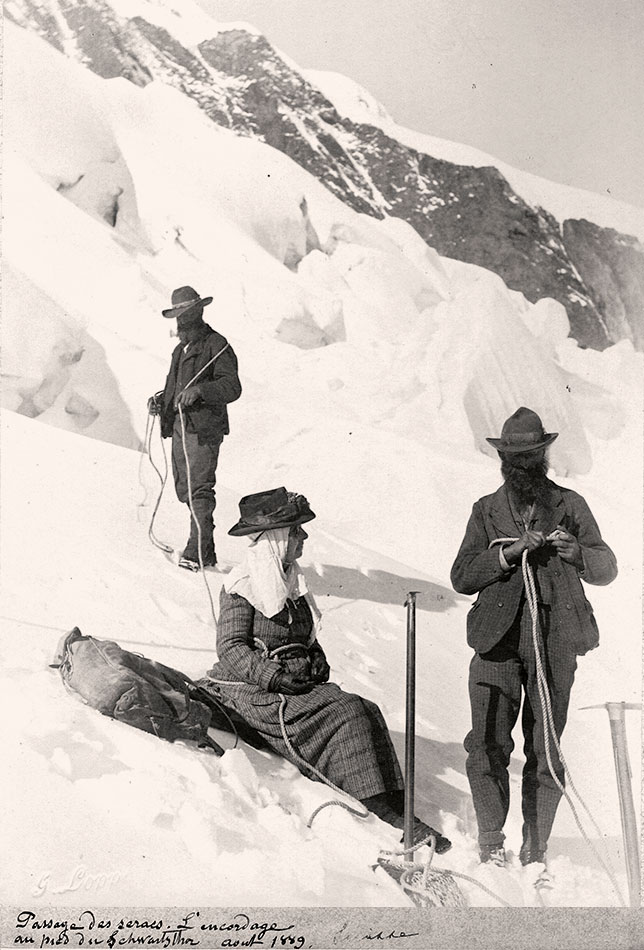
469 213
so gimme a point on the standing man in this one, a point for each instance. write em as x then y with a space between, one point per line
557 529
202 381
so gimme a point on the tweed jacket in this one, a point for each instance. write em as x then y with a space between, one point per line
477 570
343 736
219 385
246 639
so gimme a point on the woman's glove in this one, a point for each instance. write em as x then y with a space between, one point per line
289 683
320 669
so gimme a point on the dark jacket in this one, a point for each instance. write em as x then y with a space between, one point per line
219 385
477 570
245 638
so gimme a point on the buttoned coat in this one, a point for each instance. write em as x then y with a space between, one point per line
251 647
477 570
341 734
219 385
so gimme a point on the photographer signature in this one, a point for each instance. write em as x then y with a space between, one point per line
80 879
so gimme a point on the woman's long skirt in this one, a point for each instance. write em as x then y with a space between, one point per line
343 735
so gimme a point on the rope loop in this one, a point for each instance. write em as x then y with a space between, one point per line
149 429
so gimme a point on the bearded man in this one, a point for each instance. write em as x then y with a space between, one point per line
192 408
556 528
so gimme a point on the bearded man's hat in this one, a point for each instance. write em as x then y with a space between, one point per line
523 432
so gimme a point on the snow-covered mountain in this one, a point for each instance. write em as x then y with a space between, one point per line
468 207
373 370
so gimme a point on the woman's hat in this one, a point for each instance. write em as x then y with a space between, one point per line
523 432
183 300
264 510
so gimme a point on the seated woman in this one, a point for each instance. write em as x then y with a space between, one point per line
268 650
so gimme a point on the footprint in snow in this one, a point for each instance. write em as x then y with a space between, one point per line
379 632
367 664
385 634
350 635
391 616
421 722
167 607
360 677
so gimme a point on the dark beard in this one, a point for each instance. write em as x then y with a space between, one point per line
527 484
189 332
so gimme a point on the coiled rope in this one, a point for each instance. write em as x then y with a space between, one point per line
164 477
149 428
420 879
549 729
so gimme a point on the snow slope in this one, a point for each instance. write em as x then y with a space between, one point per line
115 802
373 370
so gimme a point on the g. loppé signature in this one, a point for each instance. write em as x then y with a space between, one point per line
80 879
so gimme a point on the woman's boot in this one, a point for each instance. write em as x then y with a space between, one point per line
389 807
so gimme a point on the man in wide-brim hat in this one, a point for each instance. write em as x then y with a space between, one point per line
202 380
556 528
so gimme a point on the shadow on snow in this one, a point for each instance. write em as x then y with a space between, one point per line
381 587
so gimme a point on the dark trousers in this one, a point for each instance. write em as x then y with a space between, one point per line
497 681
203 468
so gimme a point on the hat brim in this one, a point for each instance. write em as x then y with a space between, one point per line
244 528
514 447
181 309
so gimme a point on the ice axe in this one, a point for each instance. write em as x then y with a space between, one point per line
625 793
410 722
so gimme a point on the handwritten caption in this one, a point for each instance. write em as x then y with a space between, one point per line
88 929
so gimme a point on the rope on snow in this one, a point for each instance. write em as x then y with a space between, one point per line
434 884
421 879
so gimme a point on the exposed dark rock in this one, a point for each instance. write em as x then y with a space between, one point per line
611 265
468 213
35 17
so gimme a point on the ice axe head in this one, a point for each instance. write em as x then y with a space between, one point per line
615 710
411 598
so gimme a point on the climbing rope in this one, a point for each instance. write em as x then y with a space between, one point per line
163 479
194 517
434 884
149 428
549 729
440 883
354 806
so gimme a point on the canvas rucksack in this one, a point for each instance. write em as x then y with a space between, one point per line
138 691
